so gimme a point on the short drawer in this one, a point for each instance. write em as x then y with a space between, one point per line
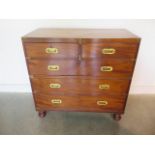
53 67
51 50
120 68
80 103
109 50
79 85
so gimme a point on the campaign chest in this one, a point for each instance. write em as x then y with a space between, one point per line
80 69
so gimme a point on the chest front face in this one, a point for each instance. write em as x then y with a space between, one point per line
80 69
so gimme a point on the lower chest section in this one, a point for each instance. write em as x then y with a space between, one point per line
80 93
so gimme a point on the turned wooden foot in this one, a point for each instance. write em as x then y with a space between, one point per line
42 114
116 117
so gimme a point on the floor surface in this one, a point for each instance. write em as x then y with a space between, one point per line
18 117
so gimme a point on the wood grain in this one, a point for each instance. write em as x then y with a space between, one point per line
79 85
79 103
75 35
80 60
121 68
122 50
37 50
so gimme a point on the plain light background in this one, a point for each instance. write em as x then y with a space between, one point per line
13 71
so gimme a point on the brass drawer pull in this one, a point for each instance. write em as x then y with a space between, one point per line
53 67
106 68
55 85
56 101
108 51
51 50
104 86
102 103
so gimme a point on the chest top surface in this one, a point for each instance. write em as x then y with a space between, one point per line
68 34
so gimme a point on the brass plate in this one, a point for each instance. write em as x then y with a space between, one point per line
108 51
106 68
102 103
51 50
53 67
104 86
56 101
55 85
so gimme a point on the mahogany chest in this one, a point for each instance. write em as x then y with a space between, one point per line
80 69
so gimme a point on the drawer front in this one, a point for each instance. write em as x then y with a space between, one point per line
51 50
79 103
109 50
54 67
79 85
106 67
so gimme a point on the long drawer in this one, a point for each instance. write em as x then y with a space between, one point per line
79 85
120 68
80 103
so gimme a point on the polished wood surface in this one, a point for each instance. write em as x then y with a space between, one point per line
79 85
121 68
122 50
80 103
38 50
81 76
80 33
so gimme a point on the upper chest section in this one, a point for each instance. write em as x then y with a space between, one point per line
89 43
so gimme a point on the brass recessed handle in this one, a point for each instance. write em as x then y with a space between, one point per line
55 85
108 51
51 50
106 68
104 86
53 67
56 101
102 103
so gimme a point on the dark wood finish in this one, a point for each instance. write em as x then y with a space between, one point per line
80 35
80 103
37 50
42 114
79 60
79 85
117 117
122 68
123 50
